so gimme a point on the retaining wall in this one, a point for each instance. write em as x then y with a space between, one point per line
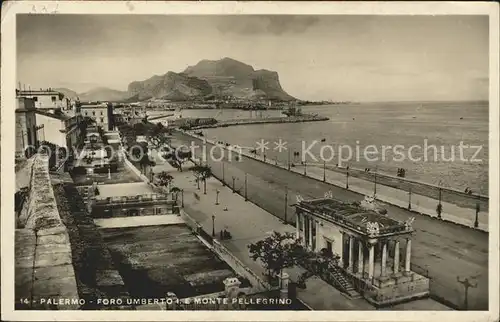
43 257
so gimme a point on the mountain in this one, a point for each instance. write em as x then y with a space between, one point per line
103 94
172 86
208 79
229 77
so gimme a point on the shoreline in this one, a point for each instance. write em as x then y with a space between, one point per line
269 120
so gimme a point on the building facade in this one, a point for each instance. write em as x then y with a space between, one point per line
46 98
374 250
100 113
58 128
26 126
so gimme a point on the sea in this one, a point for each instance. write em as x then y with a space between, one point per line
443 143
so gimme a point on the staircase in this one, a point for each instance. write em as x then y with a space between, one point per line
342 283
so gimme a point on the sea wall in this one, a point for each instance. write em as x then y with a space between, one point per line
269 120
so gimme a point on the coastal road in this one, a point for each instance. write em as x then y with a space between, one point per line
445 250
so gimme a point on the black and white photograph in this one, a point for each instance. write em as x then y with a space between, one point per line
249 158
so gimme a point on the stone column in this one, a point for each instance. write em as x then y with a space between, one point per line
371 261
297 228
351 253
311 221
384 258
361 260
319 240
408 255
396 257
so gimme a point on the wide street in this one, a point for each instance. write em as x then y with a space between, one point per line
447 251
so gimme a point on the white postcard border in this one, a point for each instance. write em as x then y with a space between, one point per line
8 85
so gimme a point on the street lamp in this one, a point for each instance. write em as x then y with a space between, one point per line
217 197
182 198
305 168
213 225
467 284
439 208
234 178
375 187
324 171
409 199
286 203
246 197
223 180
288 159
347 178
478 208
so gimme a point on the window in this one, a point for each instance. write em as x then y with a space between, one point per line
102 119
101 113
86 113
54 98
93 113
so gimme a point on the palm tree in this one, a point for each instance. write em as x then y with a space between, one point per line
165 179
202 172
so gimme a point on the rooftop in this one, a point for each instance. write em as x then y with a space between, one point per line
124 189
353 216
33 92
154 260
89 106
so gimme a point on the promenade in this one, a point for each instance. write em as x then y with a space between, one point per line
441 250
249 223
461 211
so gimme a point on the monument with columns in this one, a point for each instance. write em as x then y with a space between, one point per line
374 250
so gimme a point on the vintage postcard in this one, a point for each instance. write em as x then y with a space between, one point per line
250 161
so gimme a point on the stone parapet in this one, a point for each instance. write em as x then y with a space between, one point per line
44 267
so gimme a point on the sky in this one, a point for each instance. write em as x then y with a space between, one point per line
329 57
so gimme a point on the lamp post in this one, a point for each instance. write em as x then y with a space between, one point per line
439 206
234 178
182 198
286 203
467 284
223 182
409 199
246 197
375 186
478 208
324 171
347 178
288 159
305 168
213 225
217 197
